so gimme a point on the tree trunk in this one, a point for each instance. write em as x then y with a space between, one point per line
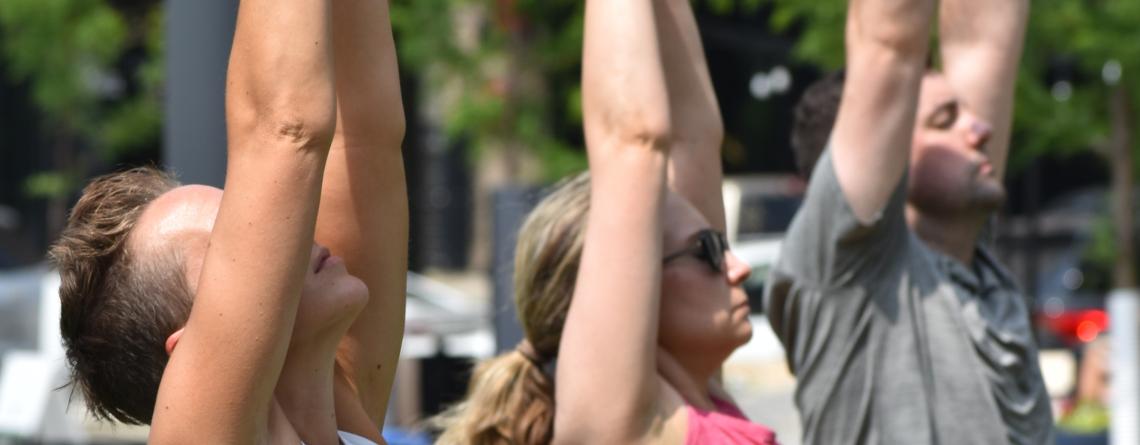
1124 272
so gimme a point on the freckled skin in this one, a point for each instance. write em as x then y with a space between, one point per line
183 218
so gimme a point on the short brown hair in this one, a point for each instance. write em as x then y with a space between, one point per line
118 307
813 120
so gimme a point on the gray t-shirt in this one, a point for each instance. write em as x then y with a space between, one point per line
893 342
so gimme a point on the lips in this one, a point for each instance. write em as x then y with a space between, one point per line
985 168
322 257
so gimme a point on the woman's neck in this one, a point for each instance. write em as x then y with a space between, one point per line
305 392
690 375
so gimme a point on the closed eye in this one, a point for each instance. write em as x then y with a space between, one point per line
944 116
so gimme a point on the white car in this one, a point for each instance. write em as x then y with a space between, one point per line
440 318
761 254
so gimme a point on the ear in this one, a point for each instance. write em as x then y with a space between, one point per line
172 341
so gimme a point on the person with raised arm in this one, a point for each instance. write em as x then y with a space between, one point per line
215 317
629 299
898 321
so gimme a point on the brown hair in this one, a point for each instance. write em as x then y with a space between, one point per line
117 307
813 119
510 399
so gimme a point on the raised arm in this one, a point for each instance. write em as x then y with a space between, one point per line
697 130
364 207
280 115
887 44
609 340
981 45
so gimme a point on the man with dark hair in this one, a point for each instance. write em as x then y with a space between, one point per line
897 320
215 317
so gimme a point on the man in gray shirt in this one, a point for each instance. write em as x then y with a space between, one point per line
898 322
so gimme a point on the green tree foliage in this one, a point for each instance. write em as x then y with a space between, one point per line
72 55
506 71
1063 113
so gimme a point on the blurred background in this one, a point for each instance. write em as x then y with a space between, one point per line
492 96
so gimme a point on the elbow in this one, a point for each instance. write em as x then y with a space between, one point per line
304 120
650 139
302 133
652 135
904 32
300 130
626 122
903 43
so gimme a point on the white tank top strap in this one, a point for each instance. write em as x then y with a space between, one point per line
348 438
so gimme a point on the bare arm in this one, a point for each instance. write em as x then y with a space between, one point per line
694 156
981 45
886 52
609 341
219 383
364 207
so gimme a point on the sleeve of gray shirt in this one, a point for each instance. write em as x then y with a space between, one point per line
828 249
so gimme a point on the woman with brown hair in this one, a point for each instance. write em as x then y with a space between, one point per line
628 297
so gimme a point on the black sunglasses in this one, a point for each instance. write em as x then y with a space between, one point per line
710 248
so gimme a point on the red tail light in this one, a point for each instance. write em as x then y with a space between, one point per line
1075 327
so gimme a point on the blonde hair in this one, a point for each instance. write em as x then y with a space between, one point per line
510 400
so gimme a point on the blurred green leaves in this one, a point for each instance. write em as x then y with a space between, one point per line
48 185
1050 118
69 53
502 73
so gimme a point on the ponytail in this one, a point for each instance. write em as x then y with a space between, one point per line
510 401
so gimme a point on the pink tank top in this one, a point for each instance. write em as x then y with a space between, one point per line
726 425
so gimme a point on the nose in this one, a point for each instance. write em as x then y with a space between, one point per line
978 132
736 270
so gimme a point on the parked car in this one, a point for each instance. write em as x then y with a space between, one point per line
440 319
1069 290
760 205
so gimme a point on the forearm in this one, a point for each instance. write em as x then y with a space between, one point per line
696 126
610 333
279 87
371 112
981 43
364 210
364 219
624 95
887 43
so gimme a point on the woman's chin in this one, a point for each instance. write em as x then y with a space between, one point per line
743 333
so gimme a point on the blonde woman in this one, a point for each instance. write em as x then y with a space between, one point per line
629 300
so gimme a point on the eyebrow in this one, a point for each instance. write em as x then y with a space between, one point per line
688 240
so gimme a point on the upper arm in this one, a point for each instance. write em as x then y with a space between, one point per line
364 206
607 344
980 56
363 218
886 52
